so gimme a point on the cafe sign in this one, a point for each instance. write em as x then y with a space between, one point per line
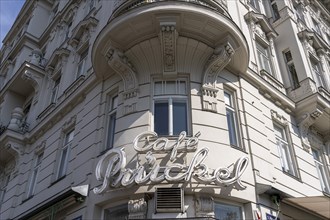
112 171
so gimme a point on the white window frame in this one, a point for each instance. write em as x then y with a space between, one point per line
285 150
255 4
64 155
264 55
322 172
233 130
35 173
111 121
177 96
317 72
316 27
55 89
81 67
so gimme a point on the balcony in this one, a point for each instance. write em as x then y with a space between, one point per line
123 6
153 36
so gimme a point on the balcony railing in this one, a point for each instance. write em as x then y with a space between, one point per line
122 6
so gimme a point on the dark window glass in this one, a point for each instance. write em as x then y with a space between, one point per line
161 118
179 117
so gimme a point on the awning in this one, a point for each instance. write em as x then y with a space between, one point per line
319 205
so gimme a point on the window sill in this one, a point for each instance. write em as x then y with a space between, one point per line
27 199
239 148
56 181
292 176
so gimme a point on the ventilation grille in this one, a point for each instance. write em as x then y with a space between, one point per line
169 200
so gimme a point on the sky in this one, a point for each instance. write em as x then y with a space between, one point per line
9 10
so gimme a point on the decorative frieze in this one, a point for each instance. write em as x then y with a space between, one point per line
204 206
137 209
168 36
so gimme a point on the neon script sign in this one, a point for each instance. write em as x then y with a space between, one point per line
112 170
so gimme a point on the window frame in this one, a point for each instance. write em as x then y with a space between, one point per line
274 10
175 97
288 165
66 146
323 173
225 203
55 89
255 4
35 172
317 72
293 76
265 56
111 114
81 67
232 106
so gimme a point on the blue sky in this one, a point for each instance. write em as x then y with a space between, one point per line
9 10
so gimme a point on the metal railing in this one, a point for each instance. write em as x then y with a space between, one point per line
123 6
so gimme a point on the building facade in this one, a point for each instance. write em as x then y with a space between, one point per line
163 109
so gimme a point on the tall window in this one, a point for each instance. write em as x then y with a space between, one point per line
64 157
232 122
82 63
316 27
274 9
320 167
170 107
227 212
264 58
33 179
255 4
317 73
284 150
112 121
55 90
292 70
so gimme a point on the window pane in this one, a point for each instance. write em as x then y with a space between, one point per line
114 103
118 213
111 130
158 88
182 88
179 117
161 118
170 87
231 127
227 212
62 168
227 99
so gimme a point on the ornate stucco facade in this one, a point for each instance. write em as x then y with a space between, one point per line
160 109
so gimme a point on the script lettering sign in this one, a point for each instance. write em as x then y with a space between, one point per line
112 170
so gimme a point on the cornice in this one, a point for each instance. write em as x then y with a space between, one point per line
269 91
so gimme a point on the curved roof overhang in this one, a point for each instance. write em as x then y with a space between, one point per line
145 22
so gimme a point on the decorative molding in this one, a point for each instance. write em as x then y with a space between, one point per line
69 124
168 36
121 65
40 147
217 62
306 121
56 61
137 209
82 32
204 206
278 118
